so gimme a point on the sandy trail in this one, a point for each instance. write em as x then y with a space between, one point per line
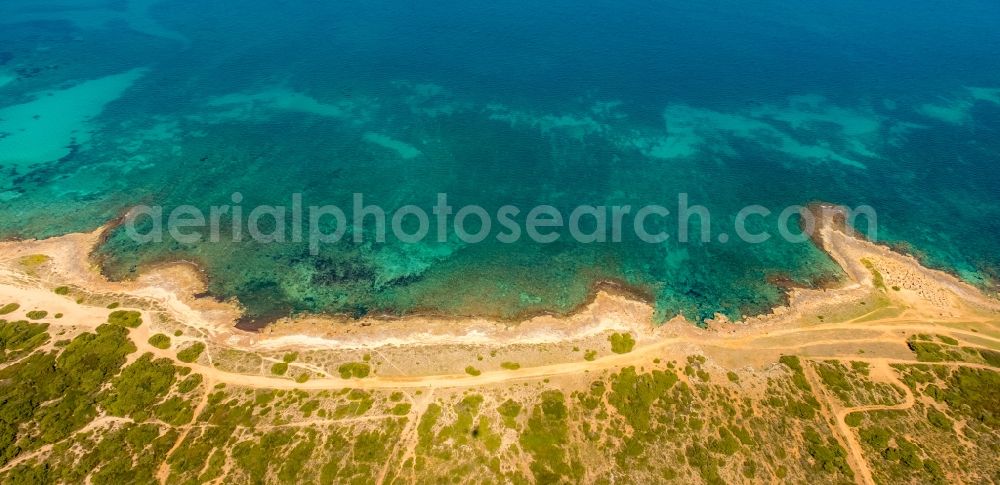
882 369
163 472
855 460
652 344
643 353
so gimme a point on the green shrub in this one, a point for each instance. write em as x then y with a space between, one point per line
877 438
37 314
176 411
139 387
125 318
279 368
939 419
633 394
21 337
798 375
308 408
358 370
876 276
727 444
62 290
991 357
191 353
510 365
190 383
302 377
290 357
546 439
792 362
160 341
972 392
114 305
8 308
590 355
47 396
948 340
830 456
853 419
472 371
701 460
509 409
621 343
401 409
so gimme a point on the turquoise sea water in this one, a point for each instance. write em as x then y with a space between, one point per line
109 104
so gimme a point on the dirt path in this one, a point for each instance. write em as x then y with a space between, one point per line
827 409
163 473
406 447
638 356
89 317
44 449
845 434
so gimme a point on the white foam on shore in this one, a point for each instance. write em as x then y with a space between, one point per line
42 130
405 150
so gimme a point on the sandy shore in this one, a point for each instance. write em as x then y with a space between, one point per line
171 289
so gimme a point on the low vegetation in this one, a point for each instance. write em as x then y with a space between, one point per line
83 406
125 318
160 341
946 349
191 352
356 370
621 343
877 279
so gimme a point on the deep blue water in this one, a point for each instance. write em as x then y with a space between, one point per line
891 104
